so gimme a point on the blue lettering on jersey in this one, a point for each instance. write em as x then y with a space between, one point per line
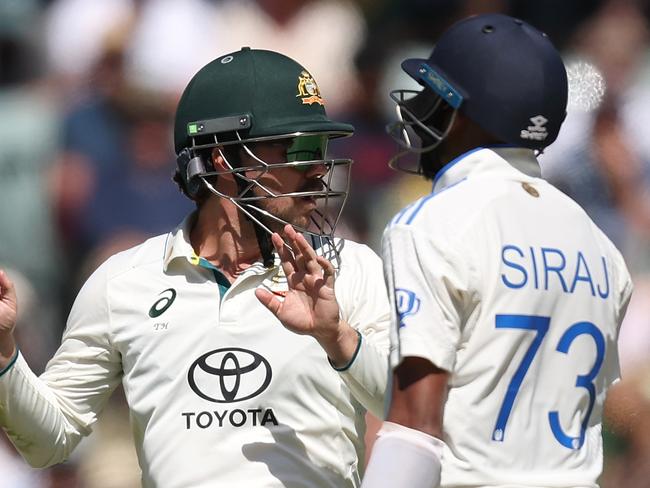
407 304
581 263
606 293
511 264
556 268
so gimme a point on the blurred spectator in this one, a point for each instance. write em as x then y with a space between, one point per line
627 412
91 142
602 157
75 32
610 157
369 148
136 199
116 148
322 35
29 124
171 40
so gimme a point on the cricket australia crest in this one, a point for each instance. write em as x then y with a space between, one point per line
308 89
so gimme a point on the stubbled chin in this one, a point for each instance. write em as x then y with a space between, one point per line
300 221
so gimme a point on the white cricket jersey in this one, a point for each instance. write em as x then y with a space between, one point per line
505 282
220 393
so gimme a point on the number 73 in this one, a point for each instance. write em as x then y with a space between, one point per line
540 326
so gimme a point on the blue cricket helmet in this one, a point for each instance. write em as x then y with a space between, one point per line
503 74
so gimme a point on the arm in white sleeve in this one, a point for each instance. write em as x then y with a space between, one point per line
364 305
46 417
366 375
404 457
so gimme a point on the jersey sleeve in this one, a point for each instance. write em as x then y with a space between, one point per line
624 289
426 281
627 287
364 303
46 417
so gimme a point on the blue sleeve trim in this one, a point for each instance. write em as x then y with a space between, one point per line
11 363
354 356
423 200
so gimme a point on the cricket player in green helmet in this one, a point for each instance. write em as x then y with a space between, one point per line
249 340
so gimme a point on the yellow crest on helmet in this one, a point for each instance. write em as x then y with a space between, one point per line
308 89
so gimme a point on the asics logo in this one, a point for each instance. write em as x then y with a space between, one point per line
162 304
229 375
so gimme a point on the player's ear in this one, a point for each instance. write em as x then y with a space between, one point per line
218 161
227 157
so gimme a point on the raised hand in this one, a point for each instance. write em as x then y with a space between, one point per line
310 306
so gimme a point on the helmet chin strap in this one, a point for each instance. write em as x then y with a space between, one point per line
264 243
263 237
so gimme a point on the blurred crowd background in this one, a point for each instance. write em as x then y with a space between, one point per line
87 96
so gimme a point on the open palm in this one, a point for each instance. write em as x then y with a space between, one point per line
310 306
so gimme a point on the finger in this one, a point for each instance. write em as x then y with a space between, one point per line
281 246
291 235
328 271
298 240
309 255
287 260
267 299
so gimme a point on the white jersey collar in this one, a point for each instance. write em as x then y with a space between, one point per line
483 159
178 246
178 243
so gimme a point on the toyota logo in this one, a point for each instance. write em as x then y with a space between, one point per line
229 375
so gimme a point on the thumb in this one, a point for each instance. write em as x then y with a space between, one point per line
267 299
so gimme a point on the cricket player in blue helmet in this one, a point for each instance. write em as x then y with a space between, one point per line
507 299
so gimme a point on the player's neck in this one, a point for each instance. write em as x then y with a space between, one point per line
222 236
464 136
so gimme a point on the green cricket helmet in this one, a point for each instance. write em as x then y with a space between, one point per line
252 96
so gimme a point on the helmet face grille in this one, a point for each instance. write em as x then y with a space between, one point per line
327 182
423 122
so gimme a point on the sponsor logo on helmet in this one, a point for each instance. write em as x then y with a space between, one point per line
308 89
537 131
